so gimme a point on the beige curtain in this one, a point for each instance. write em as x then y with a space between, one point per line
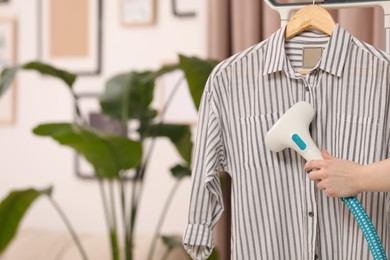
237 24
234 25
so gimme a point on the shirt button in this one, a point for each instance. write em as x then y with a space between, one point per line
311 214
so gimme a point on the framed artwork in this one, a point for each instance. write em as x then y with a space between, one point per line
90 111
71 35
8 58
173 95
138 12
184 8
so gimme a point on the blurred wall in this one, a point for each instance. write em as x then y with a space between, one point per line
27 160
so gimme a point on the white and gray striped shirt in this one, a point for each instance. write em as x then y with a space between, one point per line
277 212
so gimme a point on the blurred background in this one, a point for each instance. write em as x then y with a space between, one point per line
111 37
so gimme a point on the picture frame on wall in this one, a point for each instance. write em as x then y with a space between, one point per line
138 12
8 43
184 8
71 35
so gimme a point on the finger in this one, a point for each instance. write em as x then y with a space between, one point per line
331 193
321 185
326 155
315 175
313 164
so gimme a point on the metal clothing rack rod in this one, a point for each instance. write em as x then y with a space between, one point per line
286 10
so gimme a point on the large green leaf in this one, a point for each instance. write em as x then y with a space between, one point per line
180 171
171 242
8 74
128 96
108 154
196 72
180 135
12 209
214 255
46 69
163 70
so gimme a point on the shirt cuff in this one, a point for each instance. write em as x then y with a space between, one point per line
198 241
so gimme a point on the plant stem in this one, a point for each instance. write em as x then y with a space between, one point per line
114 244
69 227
111 235
104 201
79 116
124 220
133 211
161 219
142 169
114 228
170 98
140 172
112 201
151 148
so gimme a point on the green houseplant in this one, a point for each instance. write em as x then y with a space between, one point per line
126 97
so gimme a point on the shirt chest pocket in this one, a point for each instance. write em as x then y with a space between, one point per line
252 149
356 136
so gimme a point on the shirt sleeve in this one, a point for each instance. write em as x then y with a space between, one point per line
206 204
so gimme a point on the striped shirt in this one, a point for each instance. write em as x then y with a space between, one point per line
277 212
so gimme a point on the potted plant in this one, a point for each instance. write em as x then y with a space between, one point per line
127 96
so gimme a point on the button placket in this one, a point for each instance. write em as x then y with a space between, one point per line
307 90
312 222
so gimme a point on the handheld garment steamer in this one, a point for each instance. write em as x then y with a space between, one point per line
292 131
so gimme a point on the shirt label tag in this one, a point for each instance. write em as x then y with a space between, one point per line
311 56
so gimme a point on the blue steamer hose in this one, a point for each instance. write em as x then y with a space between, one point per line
367 227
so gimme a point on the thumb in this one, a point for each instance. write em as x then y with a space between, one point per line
326 155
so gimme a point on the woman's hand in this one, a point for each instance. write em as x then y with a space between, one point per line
337 177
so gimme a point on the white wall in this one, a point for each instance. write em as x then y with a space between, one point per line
27 160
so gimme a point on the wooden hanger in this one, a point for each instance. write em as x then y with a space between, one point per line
310 16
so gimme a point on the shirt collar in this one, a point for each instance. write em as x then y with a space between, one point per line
332 60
